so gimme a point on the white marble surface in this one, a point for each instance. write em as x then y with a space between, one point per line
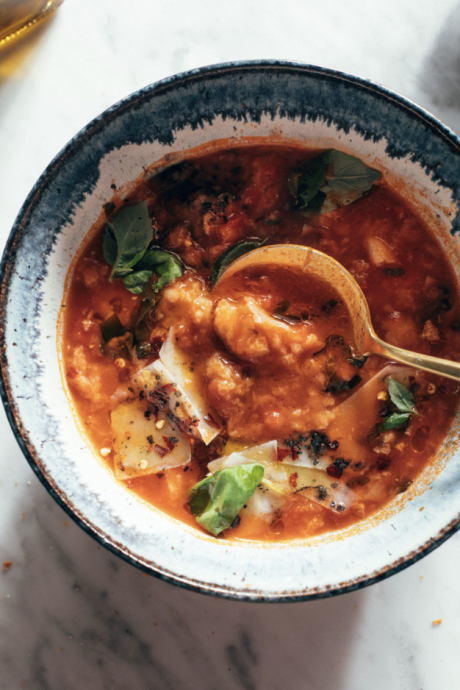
72 615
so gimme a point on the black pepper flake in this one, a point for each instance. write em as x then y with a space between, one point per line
236 522
150 439
341 464
147 415
322 493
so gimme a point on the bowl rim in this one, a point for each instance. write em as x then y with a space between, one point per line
7 264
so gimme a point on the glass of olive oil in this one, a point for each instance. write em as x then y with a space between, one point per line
17 16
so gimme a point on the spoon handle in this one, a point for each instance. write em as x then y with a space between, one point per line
434 365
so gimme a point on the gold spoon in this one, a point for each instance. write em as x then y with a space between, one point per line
312 262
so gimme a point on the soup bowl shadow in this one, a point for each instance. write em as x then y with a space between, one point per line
234 104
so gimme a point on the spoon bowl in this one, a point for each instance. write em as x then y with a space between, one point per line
312 262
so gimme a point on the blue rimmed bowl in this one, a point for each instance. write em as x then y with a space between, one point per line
238 103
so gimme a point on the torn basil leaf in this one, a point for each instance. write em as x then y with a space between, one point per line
112 327
143 316
401 397
306 182
117 341
216 500
393 421
330 180
165 266
126 238
135 282
232 254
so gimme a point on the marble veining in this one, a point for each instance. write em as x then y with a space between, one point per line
74 616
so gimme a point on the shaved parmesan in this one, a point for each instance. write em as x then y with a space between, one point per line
302 455
265 454
350 426
276 485
140 447
175 362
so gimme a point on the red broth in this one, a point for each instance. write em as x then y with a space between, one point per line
290 375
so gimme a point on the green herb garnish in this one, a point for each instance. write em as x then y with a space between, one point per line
165 266
117 340
394 420
401 397
136 282
232 254
216 501
126 239
330 180
404 402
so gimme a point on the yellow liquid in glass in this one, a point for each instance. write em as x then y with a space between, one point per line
16 16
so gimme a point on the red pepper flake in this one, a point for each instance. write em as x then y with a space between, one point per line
168 389
168 443
293 479
334 471
383 464
7 565
156 344
161 451
211 421
294 453
282 453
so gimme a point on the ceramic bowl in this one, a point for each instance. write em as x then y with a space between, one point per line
161 123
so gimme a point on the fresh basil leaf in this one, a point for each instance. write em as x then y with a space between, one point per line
216 501
401 397
331 180
349 177
117 341
142 318
306 182
112 328
232 254
166 272
393 420
165 266
132 230
153 257
135 282
109 246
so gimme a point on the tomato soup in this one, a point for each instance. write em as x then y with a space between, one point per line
242 406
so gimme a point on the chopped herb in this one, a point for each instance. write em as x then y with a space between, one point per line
109 208
336 385
112 328
394 272
357 361
232 254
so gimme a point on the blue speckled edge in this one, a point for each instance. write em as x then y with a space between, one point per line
404 142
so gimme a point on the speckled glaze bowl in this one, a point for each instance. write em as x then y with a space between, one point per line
240 102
